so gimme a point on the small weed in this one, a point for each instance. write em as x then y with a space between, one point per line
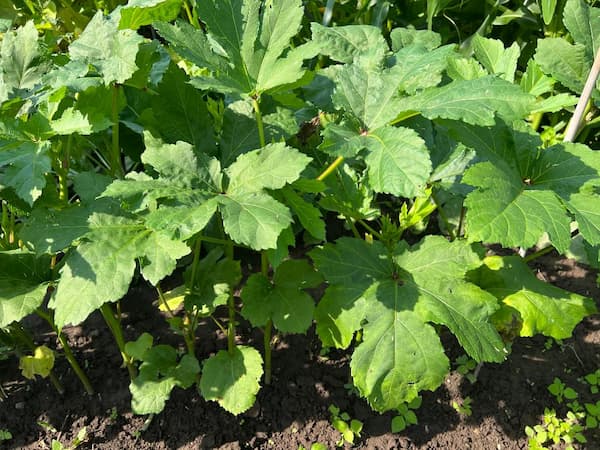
465 408
79 439
5 435
561 391
592 419
315 446
406 415
593 379
466 367
349 428
554 429
113 413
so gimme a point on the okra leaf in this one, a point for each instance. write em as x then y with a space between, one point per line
475 101
25 166
566 62
369 95
415 67
40 363
508 210
214 282
583 22
180 113
159 373
182 222
21 65
586 208
283 300
144 12
543 308
393 298
231 379
254 219
24 279
112 52
406 37
309 216
398 161
263 168
100 271
345 43
495 58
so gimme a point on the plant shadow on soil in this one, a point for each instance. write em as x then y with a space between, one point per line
292 411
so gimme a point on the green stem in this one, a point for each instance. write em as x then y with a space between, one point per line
68 352
231 307
192 316
259 121
334 165
264 270
353 228
116 165
369 228
536 120
443 217
117 332
218 241
539 253
63 172
190 15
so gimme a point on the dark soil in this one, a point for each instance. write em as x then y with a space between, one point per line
293 410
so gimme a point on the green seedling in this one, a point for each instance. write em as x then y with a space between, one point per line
406 415
561 391
348 427
556 430
76 442
5 435
466 367
315 446
463 408
592 418
593 380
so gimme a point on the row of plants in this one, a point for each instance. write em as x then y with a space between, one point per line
172 135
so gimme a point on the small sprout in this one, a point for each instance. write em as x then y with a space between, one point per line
466 367
406 415
5 435
593 379
561 391
464 408
349 428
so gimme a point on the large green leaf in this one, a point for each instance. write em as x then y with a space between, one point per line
283 300
345 43
475 101
583 22
392 298
250 48
144 12
24 280
27 164
542 308
112 52
259 169
100 271
398 161
231 379
20 63
564 61
495 58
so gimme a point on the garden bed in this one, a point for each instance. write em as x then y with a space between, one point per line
293 410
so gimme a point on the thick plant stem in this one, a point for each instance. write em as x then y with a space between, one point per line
334 165
116 166
539 253
117 332
578 115
85 381
259 122
231 308
264 270
189 334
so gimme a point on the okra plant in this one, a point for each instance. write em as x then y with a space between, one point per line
182 136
